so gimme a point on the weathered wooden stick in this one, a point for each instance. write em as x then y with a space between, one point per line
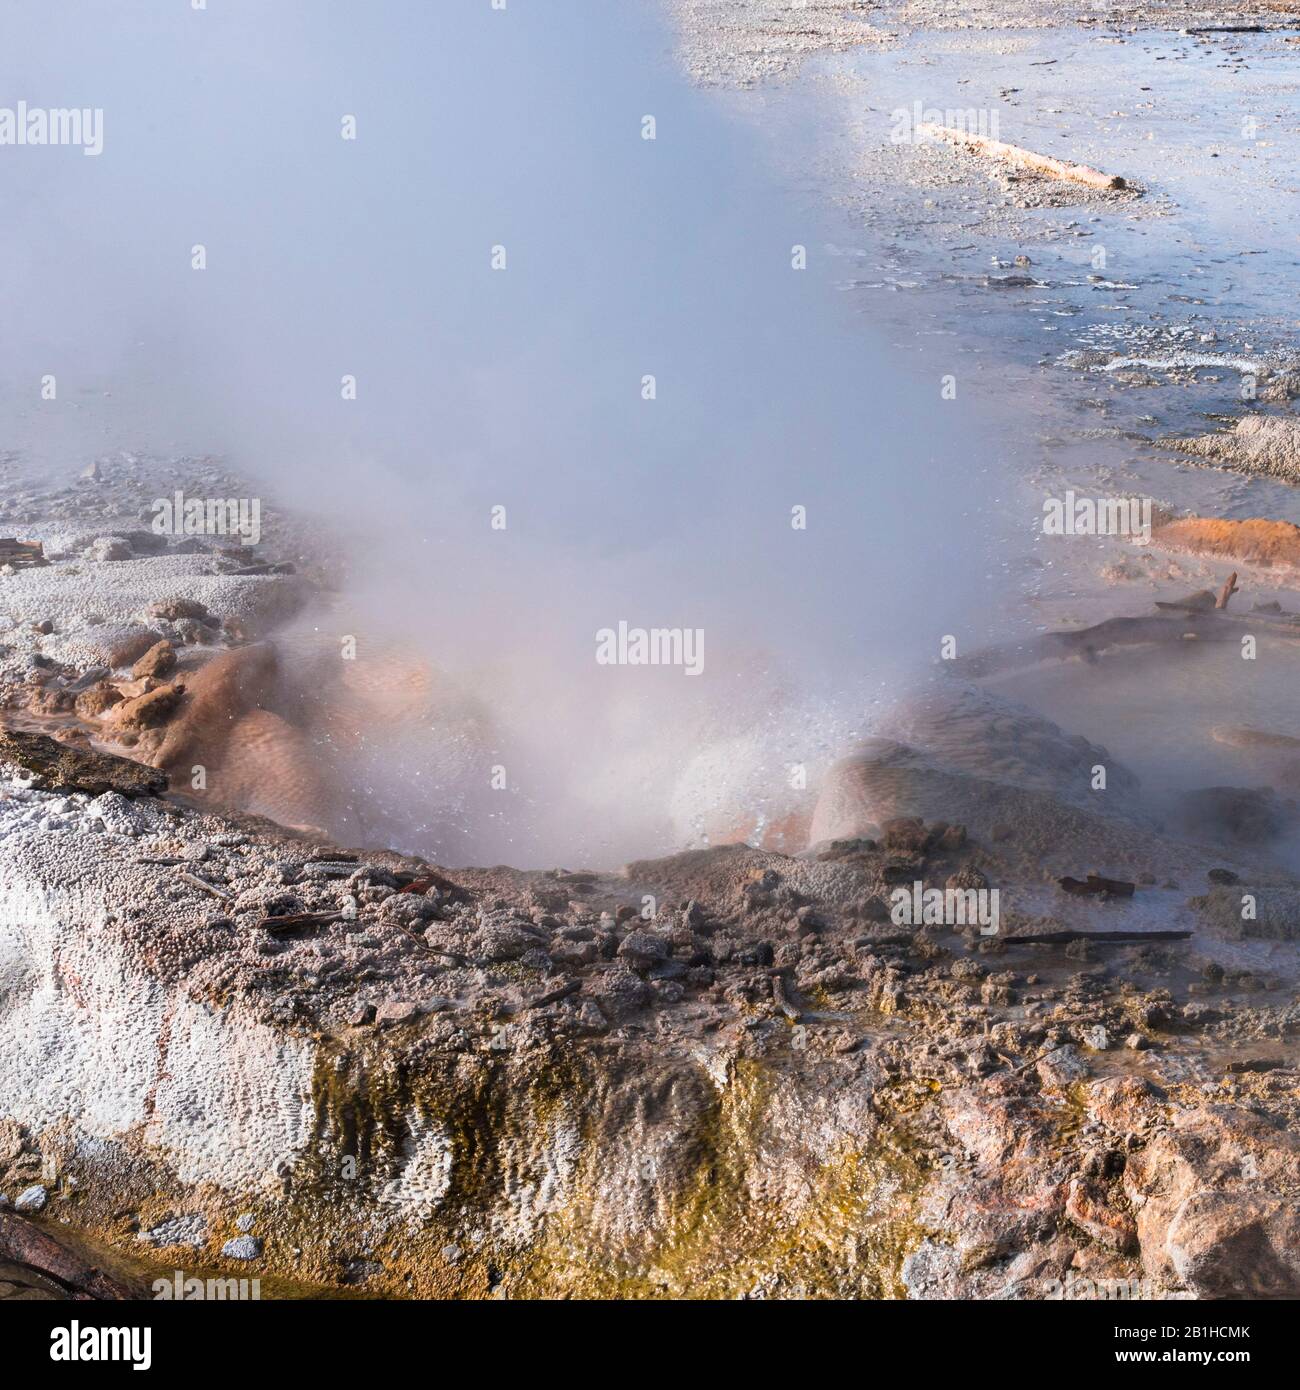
56 1259
1281 624
1202 601
299 919
195 881
1063 938
1094 884
1024 1066
424 946
1229 588
1027 159
551 996
1173 624
1044 938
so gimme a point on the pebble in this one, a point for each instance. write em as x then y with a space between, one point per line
396 1011
32 1199
242 1248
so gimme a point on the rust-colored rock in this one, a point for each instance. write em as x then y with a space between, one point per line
150 710
1125 1102
1256 541
176 609
1088 1205
1217 1198
157 663
130 646
97 700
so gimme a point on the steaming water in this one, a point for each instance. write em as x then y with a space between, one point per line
1204 262
1156 711
520 388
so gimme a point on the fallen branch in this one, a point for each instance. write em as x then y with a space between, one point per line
1063 938
57 1259
1026 159
552 996
1196 617
1048 938
1024 1066
1089 643
195 882
1094 884
1229 588
294 920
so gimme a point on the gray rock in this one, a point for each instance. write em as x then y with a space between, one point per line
191 1230
619 992
1062 1068
496 943
146 542
109 548
31 1199
242 1248
643 949
410 909
396 1011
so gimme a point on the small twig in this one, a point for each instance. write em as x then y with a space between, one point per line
195 882
299 919
1024 1066
1063 938
552 996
